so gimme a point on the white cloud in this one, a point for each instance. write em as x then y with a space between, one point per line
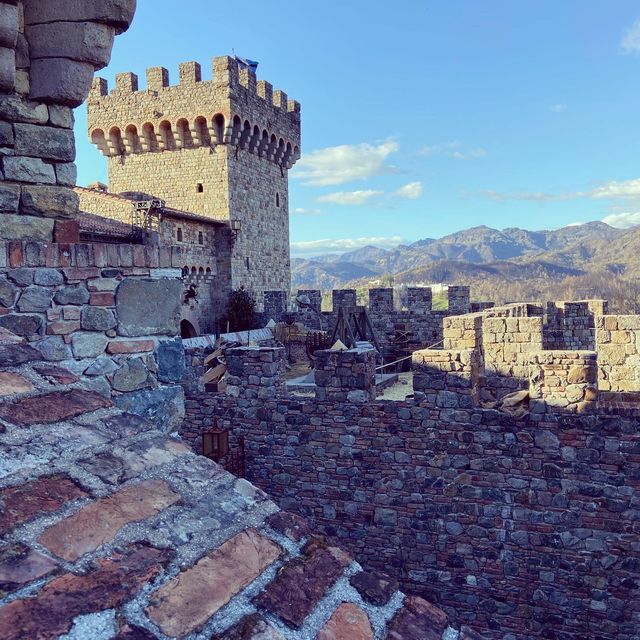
625 190
344 163
351 197
623 220
558 108
614 189
341 245
411 190
453 149
300 211
630 42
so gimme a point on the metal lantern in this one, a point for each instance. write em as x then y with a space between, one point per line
215 442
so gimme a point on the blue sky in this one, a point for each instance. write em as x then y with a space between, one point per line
420 118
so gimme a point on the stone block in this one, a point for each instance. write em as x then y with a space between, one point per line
82 41
8 25
22 324
48 201
72 294
66 174
97 319
48 277
22 169
171 362
148 307
61 81
8 292
50 143
88 345
54 349
35 298
6 134
7 69
9 197
66 231
131 376
164 407
117 13
13 109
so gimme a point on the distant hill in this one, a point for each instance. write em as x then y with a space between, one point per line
556 253
489 259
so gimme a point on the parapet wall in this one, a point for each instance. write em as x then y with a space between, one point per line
108 313
521 526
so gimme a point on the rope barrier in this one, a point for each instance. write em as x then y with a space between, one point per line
384 366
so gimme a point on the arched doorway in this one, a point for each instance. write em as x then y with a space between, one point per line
187 330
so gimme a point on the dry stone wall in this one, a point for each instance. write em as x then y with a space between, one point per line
618 347
525 527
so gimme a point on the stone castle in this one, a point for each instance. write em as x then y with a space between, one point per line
504 488
219 151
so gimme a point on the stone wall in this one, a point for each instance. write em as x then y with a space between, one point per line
571 325
109 313
618 346
48 54
346 376
525 527
563 381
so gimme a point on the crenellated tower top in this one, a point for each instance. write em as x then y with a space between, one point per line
234 108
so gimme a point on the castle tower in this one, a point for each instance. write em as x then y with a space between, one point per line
220 148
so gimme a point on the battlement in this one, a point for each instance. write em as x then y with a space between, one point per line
233 108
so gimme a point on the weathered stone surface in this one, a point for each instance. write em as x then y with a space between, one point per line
6 137
12 355
113 581
133 632
8 25
101 520
48 277
16 227
164 407
8 293
66 173
60 80
13 109
132 375
118 13
72 294
23 169
189 600
35 298
22 324
38 497
54 348
97 319
22 276
50 143
130 346
20 565
11 383
374 587
50 201
148 307
7 69
9 197
301 583
88 345
417 620
56 374
135 459
289 524
171 363
348 622
59 406
101 367
251 627
61 116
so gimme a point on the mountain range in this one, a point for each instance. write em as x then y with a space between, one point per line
484 258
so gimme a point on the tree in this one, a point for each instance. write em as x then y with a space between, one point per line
242 310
